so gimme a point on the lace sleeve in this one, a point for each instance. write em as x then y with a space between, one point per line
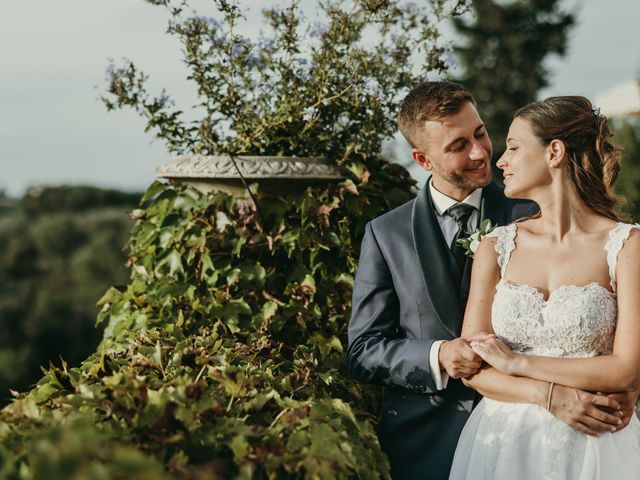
505 244
617 236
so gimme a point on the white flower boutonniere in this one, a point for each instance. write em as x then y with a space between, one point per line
473 239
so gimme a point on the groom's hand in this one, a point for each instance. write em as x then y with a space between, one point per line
627 401
585 411
457 357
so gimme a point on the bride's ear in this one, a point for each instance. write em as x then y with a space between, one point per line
556 153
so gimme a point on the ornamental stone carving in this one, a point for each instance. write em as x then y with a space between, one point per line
221 167
208 173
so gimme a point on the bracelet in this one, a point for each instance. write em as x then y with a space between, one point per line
551 385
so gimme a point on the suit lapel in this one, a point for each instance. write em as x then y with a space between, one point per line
434 263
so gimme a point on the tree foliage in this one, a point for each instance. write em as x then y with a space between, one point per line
503 56
626 134
55 262
74 199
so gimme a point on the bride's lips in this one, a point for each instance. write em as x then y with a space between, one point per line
506 176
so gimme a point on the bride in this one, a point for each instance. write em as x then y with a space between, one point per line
561 293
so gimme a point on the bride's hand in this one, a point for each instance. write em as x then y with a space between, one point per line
497 354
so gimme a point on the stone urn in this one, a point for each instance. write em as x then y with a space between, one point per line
226 173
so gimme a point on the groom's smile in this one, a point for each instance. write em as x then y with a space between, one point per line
478 168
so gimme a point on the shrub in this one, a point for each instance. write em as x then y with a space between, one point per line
223 356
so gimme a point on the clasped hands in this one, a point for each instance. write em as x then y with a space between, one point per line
588 412
463 357
494 351
458 358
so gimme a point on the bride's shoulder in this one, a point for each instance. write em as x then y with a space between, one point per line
622 230
623 242
623 252
626 225
625 234
502 230
499 241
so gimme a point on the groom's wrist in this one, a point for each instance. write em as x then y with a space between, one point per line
439 352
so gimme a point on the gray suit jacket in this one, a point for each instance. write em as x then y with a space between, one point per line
408 294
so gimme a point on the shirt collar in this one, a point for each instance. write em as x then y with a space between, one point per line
442 202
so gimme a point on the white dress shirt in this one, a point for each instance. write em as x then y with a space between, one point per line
449 228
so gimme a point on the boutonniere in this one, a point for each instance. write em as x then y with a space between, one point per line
471 242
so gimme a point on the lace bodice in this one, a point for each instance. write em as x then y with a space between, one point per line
575 321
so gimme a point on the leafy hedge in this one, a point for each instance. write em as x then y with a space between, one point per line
224 355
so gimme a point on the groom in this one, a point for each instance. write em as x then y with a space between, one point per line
412 285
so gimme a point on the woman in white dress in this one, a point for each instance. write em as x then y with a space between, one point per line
561 292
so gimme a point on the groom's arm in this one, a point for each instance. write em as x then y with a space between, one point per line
377 353
577 408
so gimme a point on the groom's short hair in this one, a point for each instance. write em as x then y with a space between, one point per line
430 101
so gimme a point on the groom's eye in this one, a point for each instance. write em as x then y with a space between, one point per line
458 147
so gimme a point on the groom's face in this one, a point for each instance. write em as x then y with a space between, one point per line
457 151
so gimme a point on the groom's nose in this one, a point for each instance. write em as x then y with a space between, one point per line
478 152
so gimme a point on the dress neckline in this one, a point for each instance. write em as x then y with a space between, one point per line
567 286
537 291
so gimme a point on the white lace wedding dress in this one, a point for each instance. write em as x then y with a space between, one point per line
523 441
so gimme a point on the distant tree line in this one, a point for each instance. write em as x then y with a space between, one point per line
60 249
626 134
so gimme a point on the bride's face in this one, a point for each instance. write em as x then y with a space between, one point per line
524 163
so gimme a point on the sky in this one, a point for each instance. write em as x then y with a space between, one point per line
54 129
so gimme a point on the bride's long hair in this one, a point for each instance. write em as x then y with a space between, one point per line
594 162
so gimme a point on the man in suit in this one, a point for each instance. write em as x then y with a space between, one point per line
412 285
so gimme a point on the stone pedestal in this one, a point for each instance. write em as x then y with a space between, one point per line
273 173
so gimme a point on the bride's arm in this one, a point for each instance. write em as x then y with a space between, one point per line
488 381
619 371
574 407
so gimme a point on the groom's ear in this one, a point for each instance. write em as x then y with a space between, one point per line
557 153
421 158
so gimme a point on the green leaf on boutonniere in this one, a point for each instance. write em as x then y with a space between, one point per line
473 238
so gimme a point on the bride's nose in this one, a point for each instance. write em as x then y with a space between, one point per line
502 162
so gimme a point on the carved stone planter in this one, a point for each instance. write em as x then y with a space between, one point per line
273 173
